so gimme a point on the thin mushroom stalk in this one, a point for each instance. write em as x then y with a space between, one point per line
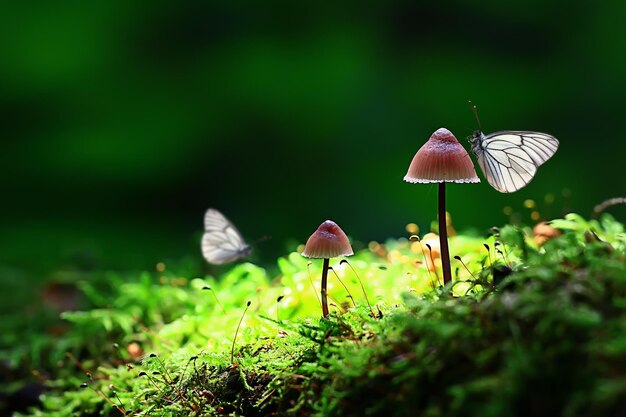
442 159
443 235
324 291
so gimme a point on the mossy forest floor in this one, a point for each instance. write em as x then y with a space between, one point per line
524 330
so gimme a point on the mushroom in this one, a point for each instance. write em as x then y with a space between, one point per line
328 241
543 232
442 159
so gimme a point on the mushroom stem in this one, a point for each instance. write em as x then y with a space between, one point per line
324 286
443 235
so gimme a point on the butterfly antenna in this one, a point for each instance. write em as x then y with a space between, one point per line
344 286
475 111
360 283
262 239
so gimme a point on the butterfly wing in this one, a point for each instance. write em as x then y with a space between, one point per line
509 159
221 242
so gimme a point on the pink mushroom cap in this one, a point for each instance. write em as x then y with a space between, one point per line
441 159
328 241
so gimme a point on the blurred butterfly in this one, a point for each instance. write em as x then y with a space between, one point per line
510 158
222 243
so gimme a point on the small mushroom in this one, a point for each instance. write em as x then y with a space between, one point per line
328 241
543 232
442 159
134 351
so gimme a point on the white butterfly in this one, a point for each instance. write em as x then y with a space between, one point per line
510 158
222 242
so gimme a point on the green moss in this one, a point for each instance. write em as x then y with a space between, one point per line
547 339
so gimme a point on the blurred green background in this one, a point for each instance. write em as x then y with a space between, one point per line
123 121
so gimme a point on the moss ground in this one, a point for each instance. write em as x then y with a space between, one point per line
523 330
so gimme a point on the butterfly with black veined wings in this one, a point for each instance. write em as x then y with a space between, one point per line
510 158
222 243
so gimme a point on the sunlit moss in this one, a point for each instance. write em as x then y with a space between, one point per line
498 334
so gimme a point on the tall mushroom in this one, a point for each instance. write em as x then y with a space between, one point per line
328 241
442 159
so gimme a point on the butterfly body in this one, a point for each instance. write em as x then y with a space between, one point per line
510 158
222 243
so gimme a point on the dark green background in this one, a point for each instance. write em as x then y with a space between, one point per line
123 121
